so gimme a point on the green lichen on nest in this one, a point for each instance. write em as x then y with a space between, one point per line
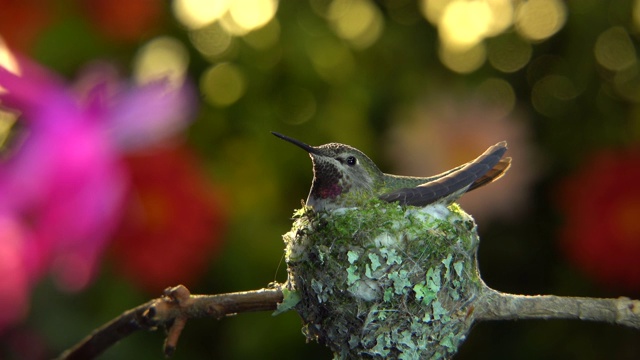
383 280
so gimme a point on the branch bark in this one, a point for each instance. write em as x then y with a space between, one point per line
172 310
495 305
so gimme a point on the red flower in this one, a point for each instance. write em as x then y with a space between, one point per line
21 21
124 20
173 224
601 203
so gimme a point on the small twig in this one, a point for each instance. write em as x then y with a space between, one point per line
172 311
495 305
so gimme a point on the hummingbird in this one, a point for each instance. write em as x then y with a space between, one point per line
342 172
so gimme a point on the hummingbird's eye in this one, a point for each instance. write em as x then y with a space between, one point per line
351 160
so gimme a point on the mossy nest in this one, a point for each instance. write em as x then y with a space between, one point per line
384 280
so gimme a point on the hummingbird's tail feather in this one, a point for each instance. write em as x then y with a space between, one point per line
486 168
493 174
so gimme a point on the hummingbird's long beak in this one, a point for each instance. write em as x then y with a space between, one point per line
308 148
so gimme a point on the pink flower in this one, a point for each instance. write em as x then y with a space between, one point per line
62 184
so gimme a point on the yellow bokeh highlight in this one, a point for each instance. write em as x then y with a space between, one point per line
432 10
357 21
252 14
509 53
500 94
223 84
198 13
229 24
265 37
7 119
537 20
501 16
551 94
635 13
162 57
7 61
211 41
614 49
237 17
465 61
464 23
627 83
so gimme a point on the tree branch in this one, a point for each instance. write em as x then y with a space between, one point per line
495 305
172 310
177 305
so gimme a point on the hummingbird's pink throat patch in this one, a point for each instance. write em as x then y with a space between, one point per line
332 191
328 180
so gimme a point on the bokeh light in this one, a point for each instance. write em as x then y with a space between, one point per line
551 96
7 119
509 53
497 94
537 20
432 10
501 16
223 84
163 57
212 41
252 14
265 37
357 21
463 61
614 49
7 60
464 23
237 17
627 84
636 14
197 13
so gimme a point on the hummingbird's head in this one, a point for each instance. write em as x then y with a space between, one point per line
338 170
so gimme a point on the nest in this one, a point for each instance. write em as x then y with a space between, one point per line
383 280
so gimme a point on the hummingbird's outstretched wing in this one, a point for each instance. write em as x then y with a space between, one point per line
486 168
